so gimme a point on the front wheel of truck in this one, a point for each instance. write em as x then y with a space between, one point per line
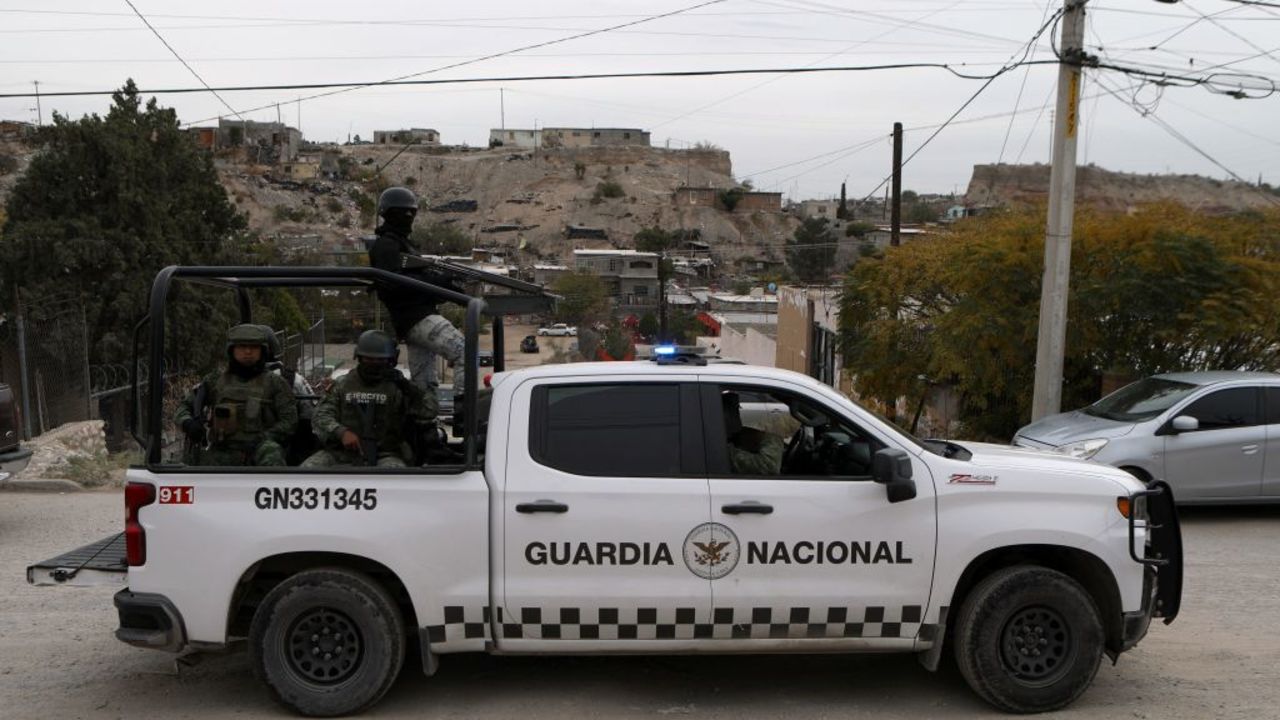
327 642
1028 639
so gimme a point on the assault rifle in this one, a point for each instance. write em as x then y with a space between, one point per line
368 437
190 449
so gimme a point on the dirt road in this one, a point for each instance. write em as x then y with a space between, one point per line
58 658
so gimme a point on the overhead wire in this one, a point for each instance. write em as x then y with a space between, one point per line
776 78
355 85
179 57
1026 51
1180 137
492 56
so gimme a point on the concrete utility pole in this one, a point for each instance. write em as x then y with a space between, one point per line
1051 343
39 112
895 216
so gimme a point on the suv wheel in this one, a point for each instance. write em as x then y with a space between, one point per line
1028 639
327 642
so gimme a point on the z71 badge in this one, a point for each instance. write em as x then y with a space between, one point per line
967 479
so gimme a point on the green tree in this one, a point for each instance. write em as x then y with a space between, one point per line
654 239
812 251
584 298
920 212
858 229
105 204
442 239
1160 290
730 198
649 325
842 212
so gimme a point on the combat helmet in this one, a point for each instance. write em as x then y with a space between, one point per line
397 198
377 344
250 334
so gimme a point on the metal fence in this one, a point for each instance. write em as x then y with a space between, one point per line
44 357
304 351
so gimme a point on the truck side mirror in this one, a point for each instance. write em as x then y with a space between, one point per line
891 467
1185 423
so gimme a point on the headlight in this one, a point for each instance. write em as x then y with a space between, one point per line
1083 449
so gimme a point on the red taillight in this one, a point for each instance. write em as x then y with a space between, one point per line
136 495
488 380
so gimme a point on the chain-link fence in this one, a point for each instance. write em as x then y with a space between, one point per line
44 357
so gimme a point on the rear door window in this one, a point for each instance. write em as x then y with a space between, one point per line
1230 408
617 430
1273 405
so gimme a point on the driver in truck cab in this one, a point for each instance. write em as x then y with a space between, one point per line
751 451
244 415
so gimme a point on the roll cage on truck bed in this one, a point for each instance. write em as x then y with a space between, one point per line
104 562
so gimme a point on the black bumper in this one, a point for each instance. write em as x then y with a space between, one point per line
1136 623
150 621
1162 561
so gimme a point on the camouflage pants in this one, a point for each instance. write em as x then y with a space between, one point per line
268 453
343 458
434 337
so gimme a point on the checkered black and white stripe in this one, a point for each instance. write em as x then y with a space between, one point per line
682 623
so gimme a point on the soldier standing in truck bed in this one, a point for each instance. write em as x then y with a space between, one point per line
416 316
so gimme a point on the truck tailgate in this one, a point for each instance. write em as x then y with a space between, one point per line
99 563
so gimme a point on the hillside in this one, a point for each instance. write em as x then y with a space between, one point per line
517 196
1021 184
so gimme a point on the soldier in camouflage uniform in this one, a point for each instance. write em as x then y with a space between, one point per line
251 412
361 420
416 317
751 451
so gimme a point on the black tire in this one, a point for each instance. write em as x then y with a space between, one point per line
303 628
1028 639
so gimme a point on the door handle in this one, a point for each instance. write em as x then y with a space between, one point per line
540 506
747 507
1249 449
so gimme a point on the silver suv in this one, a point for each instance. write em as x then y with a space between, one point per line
1213 436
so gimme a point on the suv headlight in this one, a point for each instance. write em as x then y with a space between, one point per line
1082 449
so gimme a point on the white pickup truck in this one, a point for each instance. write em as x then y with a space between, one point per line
616 508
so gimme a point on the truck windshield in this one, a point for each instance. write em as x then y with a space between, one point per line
1141 400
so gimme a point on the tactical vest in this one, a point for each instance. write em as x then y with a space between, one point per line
242 412
372 411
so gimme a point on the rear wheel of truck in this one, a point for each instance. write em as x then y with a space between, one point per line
1028 639
327 642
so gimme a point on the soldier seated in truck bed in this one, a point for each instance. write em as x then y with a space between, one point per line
361 420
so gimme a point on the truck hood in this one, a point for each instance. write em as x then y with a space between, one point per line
1068 427
1025 462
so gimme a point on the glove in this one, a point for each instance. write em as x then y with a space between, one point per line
194 429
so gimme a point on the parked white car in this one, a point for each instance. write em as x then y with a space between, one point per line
558 330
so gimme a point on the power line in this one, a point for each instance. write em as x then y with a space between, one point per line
491 56
762 83
1172 131
1232 33
1053 20
179 57
951 68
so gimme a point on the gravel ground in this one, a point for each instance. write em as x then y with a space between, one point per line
58 658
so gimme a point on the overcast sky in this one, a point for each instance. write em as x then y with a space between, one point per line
801 134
